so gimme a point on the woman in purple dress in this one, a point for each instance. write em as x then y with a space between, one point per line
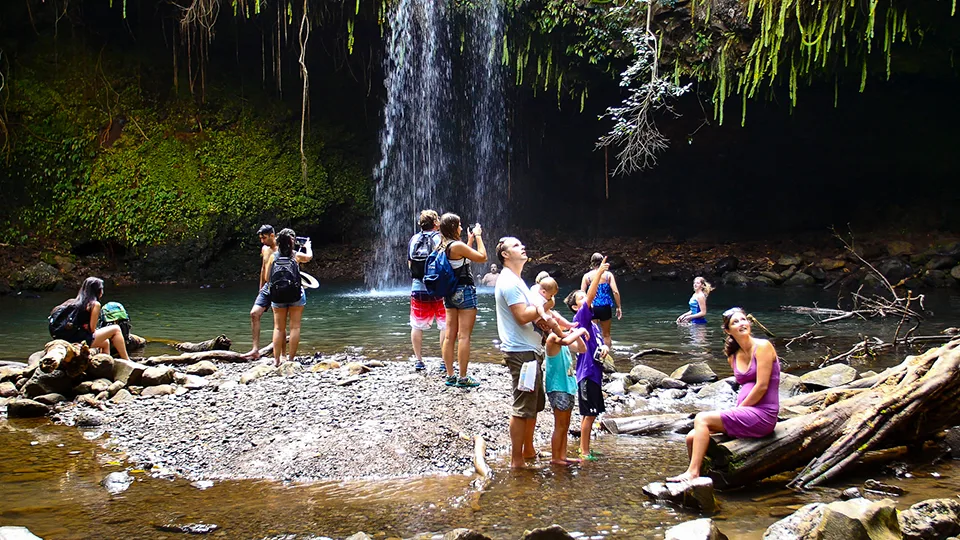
757 370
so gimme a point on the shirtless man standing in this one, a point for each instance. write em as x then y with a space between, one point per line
269 240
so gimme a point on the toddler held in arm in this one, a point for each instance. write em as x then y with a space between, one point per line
544 292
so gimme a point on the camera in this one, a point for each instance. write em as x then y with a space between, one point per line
299 241
469 229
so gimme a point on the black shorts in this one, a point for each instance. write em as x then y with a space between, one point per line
590 397
603 313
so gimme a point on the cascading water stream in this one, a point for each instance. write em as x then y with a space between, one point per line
443 143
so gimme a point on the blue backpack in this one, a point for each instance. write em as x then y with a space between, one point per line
438 276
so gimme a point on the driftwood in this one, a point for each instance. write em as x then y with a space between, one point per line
654 350
644 425
193 357
219 343
479 456
71 358
872 346
904 405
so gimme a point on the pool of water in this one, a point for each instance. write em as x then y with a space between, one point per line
50 474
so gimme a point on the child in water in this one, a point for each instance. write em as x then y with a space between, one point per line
589 371
561 386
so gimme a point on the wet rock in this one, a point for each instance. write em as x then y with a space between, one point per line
50 399
789 260
8 389
88 419
157 375
641 372
202 368
726 264
675 393
955 272
829 377
698 529
798 525
859 519
832 264
697 372
39 277
800 279
772 276
850 493
697 494
40 383
359 536
940 262
615 388
641 388
287 369
101 367
788 273
159 390
790 385
735 279
874 486
900 247
936 279
255 373
817 274
26 408
189 528
952 440
719 390
762 281
122 396
894 269
671 383
127 371
931 519
117 482
115 387
12 373
553 532
17 533
465 534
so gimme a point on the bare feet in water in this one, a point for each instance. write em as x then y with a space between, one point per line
685 477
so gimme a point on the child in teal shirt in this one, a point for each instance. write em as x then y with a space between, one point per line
561 386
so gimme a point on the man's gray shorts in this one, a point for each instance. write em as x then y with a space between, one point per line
263 299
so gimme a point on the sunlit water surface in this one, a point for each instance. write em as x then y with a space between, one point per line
49 474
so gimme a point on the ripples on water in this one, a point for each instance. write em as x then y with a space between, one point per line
49 475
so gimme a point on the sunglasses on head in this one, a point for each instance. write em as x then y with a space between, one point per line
731 311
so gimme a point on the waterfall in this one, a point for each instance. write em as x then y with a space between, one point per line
443 142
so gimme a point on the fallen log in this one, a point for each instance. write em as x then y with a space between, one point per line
219 343
654 350
905 404
193 357
644 425
54 352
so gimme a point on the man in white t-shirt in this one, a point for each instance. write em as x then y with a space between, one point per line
520 342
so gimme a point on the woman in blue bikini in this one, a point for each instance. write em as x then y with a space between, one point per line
698 303
607 302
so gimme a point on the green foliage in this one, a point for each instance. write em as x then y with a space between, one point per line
176 170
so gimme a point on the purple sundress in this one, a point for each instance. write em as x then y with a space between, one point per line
757 420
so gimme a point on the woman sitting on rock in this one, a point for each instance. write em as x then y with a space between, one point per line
86 314
757 369
698 303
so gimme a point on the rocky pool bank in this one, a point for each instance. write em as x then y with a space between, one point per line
820 260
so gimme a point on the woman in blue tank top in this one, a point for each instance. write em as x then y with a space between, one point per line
607 302
698 303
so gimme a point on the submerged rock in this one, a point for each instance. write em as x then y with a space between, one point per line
26 408
117 482
697 494
553 532
698 529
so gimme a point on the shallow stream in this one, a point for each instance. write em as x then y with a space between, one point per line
50 474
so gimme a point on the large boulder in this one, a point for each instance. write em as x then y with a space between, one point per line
698 529
735 279
157 375
799 279
955 272
726 264
855 519
894 269
787 261
39 277
697 372
931 519
40 383
127 371
641 372
8 389
829 377
697 494
101 367
26 408
940 262
798 525
465 534
790 385
718 391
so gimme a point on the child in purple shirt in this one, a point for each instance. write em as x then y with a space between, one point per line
589 371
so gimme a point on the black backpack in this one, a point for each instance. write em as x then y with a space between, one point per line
63 322
418 256
285 281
